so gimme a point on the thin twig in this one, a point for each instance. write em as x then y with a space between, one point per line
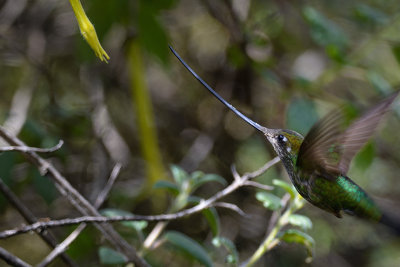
163 217
275 215
75 198
238 181
30 218
271 239
263 169
107 188
11 259
32 149
231 207
99 201
62 246
258 185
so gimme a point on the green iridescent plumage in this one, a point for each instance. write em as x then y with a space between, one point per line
318 163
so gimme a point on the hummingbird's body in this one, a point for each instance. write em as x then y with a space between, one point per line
317 164
335 194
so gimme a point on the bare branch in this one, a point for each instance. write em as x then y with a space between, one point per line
11 259
39 226
99 201
231 207
32 149
30 218
277 213
106 190
263 169
75 198
259 185
235 174
62 246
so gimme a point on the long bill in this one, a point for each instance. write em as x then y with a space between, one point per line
238 113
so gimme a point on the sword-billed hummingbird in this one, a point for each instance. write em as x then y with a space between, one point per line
317 164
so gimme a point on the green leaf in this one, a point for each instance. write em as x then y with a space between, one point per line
325 32
368 15
196 175
269 200
110 256
301 221
207 178
396 52
45 187
379 83
152 34
233 256
179 174
296 236
170 187
285 186
189 246
137 225
115 212
301 115
212 219
193 200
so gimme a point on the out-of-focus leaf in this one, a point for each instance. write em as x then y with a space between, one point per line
296 236
301 115
236 56
7 163
85 244
110 256
365 157
152 35
189 246
137 225
380 83
285 186
325 32
369 15
170 187
233 256
212 219
179 174
45 187
269 200
396 52
194 200
301 221
114 212
196 175
140 225
251 155
208 178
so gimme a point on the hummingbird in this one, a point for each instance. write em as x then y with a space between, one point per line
317 164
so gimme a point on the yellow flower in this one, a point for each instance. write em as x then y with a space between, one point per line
87 30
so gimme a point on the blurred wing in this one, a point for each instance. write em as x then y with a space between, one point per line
314 151
327 147
354 138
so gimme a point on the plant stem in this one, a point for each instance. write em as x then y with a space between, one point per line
141 101
271 241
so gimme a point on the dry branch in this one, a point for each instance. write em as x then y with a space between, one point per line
75 198
239 181
30 218
99 201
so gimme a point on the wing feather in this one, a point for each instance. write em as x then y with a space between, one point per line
328 147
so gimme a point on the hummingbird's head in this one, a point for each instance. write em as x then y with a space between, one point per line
286 143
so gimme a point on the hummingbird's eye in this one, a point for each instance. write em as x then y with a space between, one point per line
282 138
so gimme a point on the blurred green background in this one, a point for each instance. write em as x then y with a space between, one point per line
285 64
